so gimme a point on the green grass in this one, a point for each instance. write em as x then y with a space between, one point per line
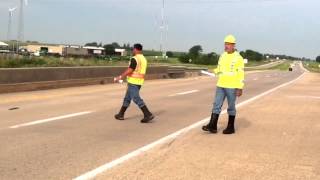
312 66
56 62
283 66
175 62
256 63
108 61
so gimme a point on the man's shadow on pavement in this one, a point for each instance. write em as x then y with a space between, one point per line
242 123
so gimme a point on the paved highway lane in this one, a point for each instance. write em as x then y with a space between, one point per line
76 131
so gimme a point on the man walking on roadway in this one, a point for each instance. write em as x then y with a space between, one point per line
135 77
230 72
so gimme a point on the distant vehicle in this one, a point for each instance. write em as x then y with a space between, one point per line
291 66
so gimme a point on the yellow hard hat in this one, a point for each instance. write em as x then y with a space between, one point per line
230 39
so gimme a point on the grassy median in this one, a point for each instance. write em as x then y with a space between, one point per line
283 66
25 62
312 66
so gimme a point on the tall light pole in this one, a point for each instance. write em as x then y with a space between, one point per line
21 22
11 10
162 29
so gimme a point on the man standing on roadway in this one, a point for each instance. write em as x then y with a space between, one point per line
135 77
230 72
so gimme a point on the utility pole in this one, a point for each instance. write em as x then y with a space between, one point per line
21 22
11 10
162 29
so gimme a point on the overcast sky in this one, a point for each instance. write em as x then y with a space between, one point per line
290 27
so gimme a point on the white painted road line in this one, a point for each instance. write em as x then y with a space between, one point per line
302 67
184 93
92 174
50 119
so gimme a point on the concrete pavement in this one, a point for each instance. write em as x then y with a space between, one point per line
277 137
65 148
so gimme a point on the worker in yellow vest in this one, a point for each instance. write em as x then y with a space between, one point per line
230 72
135 77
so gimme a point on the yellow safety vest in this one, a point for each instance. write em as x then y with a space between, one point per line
230 71
137 76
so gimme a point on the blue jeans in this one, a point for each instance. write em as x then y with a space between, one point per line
133 94
221 94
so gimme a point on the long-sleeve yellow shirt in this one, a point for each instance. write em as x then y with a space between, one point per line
230 71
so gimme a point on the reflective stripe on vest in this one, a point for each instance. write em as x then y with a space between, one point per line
137 75
228 73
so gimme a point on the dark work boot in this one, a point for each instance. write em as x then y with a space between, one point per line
230 128
212 126
120 115
148 116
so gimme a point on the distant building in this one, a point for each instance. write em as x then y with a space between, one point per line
75 51
43 48
4 48
94 51
63 50
3 44
120 52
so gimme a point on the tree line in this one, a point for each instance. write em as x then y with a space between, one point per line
196 56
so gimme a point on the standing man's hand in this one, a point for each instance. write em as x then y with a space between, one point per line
124 74
117 79
238 92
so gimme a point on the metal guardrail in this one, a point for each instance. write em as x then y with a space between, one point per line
176 72
26 79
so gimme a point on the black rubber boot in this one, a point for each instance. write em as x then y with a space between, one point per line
212 126
230 129
148 116
120 115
